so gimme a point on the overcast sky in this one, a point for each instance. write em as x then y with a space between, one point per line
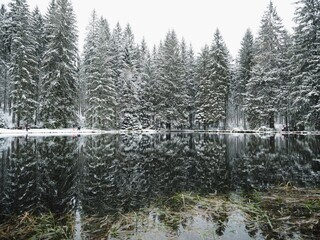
194 20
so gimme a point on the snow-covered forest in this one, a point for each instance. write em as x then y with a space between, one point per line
117 83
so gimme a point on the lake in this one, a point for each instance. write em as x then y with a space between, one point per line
160 186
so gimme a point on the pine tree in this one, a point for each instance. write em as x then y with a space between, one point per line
5 48
146 108
204 88
214 76
87 64
171 105
117 55
243 74
100 87
264 84
59 82
128 83
187 85
305 96
38 45
155 92
220 77
285 103
22 64
152 85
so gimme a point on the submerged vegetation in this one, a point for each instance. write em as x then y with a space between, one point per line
43 226
280 213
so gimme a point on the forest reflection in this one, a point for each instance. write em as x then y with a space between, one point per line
119 173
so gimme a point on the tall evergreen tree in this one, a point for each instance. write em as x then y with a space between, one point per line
214 83
87 63
305 96
128 83
171 92
264 84
146 110
191 86
59 82
117 55
22 64
100 87
204 87
220 76
37 30
243 74
5 48
285 103
188 82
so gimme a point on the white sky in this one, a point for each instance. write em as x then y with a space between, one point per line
194 20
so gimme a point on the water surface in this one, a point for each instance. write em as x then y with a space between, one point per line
106 174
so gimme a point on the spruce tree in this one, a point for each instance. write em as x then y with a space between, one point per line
146 110
204 88
213 74
5 48
87 66
89 73
22 64
191 86
128 84
171 108
220 77
305 96
100 87
117 55
59 82
186 84
37 30
264 84
243 74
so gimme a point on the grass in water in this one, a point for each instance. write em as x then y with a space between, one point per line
44 226
282 213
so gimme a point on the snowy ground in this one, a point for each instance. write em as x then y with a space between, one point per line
74 132
48 132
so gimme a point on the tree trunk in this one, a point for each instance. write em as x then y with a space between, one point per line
244 121
271 120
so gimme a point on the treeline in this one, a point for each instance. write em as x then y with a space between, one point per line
39 64
120 84
127 87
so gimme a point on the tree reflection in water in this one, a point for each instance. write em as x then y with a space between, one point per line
107 174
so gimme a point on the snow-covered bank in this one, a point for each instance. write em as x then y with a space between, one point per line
49 132
74 132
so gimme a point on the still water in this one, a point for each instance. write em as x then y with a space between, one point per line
107 174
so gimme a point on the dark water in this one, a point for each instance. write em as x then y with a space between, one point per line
110 173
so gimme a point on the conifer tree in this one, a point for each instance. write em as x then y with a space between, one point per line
171 105
100 88
22 64
117 55
214 80
243 74
5 48
204 88
305 96
264 84
188 82
128 83
146 110
59 82
87 64
37 30
220 76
